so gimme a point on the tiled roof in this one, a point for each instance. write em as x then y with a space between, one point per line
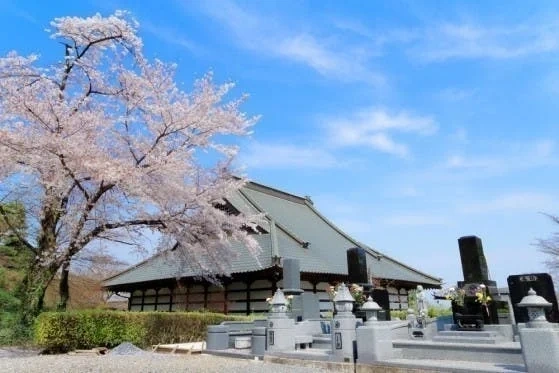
295 229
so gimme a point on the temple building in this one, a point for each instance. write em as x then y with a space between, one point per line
293 228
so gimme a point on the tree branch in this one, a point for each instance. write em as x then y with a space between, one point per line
21 239
95 232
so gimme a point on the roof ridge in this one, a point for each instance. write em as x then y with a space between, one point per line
270 219
264 188
400 263
374 252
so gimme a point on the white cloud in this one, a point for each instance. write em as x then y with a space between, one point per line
278 156
328 56
511 201
374 128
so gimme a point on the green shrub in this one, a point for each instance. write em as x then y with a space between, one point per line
436 311
402 315
65 331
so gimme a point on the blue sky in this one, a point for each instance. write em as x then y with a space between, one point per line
408 123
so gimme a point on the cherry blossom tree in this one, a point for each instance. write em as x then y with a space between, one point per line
104 145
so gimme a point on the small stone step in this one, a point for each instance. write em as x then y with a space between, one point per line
459 339
463 333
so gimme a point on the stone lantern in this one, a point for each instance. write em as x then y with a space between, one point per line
540 339
343 326
280 328
371 309
536 306
278 304
343 301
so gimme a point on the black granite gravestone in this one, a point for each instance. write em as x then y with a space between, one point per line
382 298
357 266
358 274
474 265
475 271
542 284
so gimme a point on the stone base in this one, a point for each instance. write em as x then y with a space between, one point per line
540 349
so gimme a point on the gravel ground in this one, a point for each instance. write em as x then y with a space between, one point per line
144 363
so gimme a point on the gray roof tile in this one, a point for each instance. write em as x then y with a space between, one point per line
297 222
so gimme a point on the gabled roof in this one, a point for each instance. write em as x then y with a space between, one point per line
294 229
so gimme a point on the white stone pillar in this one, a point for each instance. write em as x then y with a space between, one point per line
343 326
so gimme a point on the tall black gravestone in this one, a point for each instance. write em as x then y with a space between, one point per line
357 266
542 284
357 274
475 271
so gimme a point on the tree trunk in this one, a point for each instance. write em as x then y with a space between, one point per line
33 290
64 287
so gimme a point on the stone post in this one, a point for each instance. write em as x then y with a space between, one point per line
281 329
217 337
540 339
374 338
343 326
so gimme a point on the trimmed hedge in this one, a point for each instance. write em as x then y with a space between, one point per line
66 331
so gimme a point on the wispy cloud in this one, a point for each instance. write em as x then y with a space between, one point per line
375 127
14 8
452 94
415 220
511 201
441 41
170 36
328 56
282 156
508 158
471 41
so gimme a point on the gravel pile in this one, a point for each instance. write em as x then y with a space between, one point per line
127 348
143 363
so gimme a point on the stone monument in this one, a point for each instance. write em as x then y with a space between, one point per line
358 274
474 268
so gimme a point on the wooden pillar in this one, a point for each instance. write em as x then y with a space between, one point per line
156 299
248 282
171 292
187 296
143 297
225 300
206 296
